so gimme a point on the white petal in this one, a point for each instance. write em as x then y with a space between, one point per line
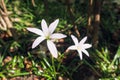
72 47
84 51
74 39
83 40
57 36
37 41
44 27
35 30
85 46
80 54
52 48
53 26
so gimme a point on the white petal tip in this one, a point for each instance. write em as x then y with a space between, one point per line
65 36
28 29
57 20
90 45
33 46
88 55
72 36
80 59
55 56
43 19
85 38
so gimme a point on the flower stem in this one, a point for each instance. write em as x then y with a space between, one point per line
54 70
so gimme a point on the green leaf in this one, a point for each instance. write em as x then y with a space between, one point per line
117 55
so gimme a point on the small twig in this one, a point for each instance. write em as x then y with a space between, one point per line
33 3
70 10
3 25
4 19
3 6
46 5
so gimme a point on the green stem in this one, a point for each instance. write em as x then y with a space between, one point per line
53 65
20 74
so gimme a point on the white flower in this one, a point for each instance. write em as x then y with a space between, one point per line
47 34
80 46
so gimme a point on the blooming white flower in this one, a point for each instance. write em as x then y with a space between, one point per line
80 46
47 34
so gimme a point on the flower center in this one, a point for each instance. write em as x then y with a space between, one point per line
78 47
48 37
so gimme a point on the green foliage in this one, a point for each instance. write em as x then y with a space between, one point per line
13 68
109 17
24 14
108 67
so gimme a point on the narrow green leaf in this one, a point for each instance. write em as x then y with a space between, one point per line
117 55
